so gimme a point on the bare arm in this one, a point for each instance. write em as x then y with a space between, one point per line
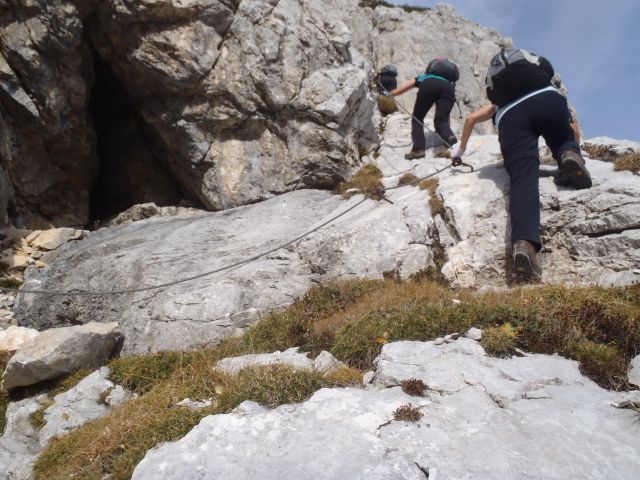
482 114
405 87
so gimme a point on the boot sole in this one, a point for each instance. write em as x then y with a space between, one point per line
522 267
576 175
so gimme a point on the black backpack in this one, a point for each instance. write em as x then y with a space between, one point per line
444 68
514 72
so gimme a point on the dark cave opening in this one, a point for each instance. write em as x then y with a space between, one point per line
129 172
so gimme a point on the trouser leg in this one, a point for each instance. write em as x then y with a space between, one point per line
441 123
519 145
424 101
552 120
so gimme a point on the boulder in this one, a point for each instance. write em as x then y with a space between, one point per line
59 351
290 357
52 239
375 238
483 418
77 406
14 337
19 444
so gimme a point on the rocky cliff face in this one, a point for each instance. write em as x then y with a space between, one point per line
223 102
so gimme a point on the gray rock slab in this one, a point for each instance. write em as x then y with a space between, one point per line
375 238
77 406
19 444
59 351
290 357
483 418
13 337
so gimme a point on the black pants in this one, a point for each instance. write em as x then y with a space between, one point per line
440 92
545 114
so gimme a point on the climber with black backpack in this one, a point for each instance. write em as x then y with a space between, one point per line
436 85
386 79
524 106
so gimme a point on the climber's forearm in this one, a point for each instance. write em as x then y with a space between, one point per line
405 87
480 115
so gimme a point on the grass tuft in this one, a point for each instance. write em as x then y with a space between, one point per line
435 202
367 181
387 105
407 413
500 341
444 153
408 179
414 387
629 162
141 373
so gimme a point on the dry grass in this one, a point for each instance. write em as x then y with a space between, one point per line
115 444
629 162
435 202
414 387
407 413
408 179
444 153
365 181
387 105
598 327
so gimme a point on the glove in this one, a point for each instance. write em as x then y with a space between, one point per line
457 152
386 93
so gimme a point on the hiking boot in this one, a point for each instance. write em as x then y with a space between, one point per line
573 171
452 140
525 262
414 154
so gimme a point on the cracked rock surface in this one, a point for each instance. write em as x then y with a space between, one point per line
483 418
591 236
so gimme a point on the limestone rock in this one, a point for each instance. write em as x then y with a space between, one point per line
194 405
14 337
79 405
19 444
326 363
118 396
58 351
149 210
375 238
52 239
609 149
494 418
634 371
474 334
290 357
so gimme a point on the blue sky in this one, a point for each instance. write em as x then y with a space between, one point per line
593 44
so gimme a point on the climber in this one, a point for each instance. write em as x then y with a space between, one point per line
524 105
436 85
386 79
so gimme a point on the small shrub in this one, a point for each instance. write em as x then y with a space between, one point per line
365 181
414 387
629 162
500 341
10 283
602 363
407 413
387 105
408 179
